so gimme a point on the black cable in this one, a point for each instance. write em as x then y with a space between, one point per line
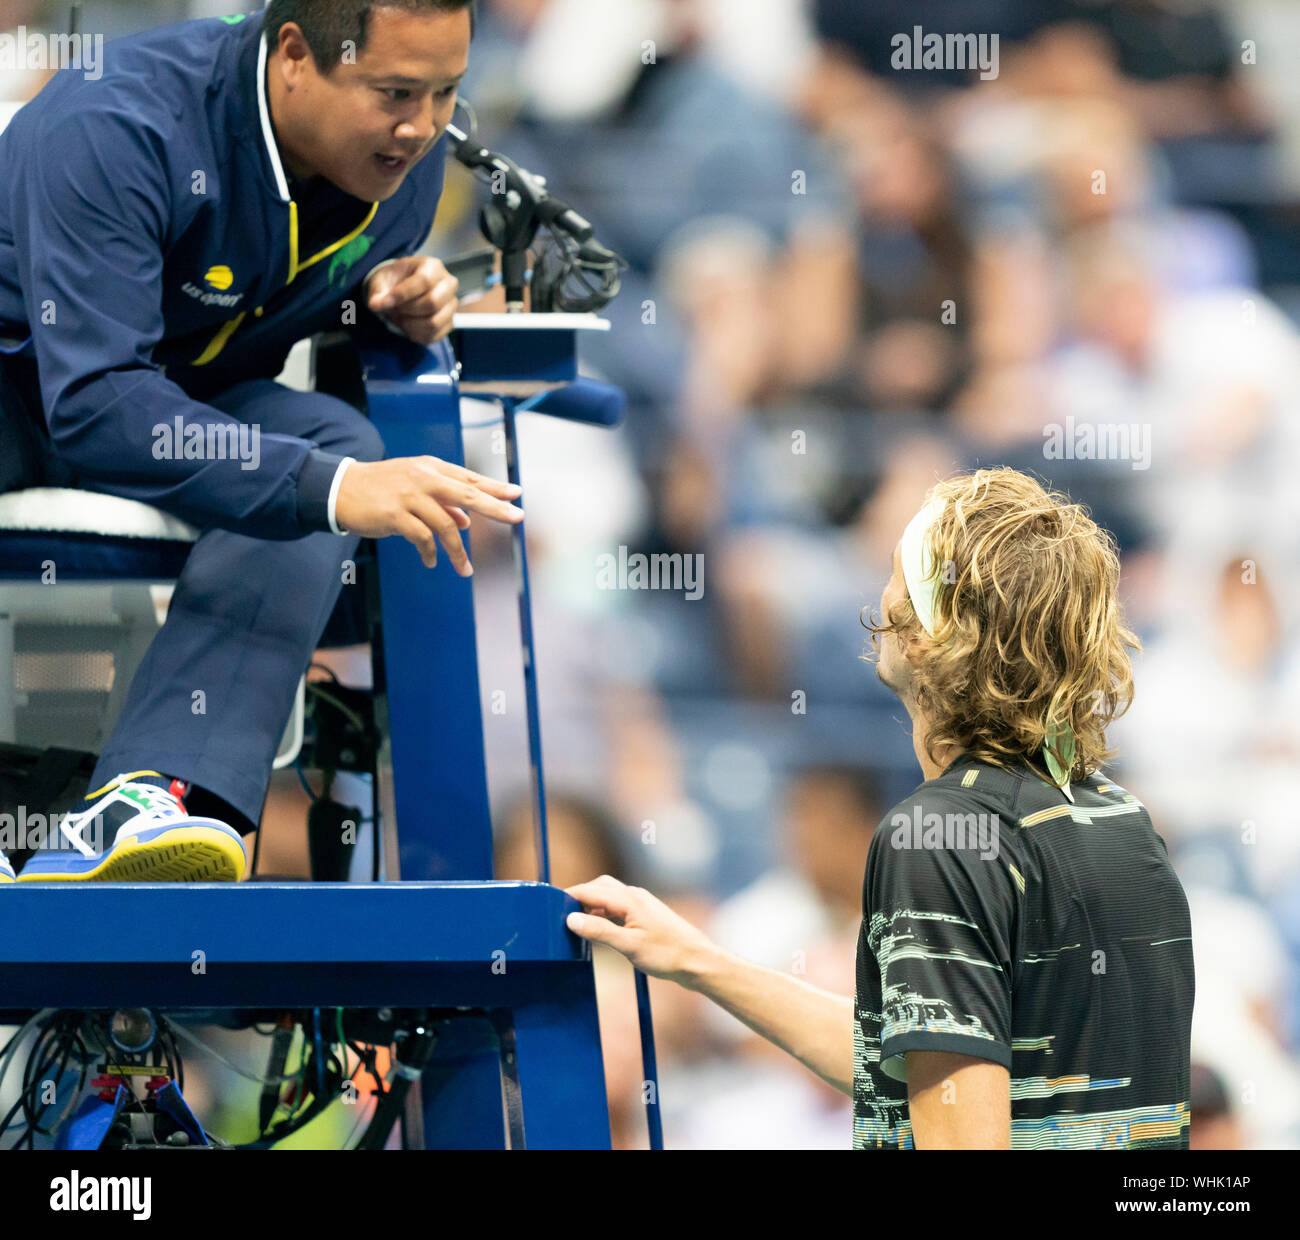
79 1047
70 1039
85 1063
8 1119
333 1083
60 1047
368 1057
66 1048
165 1040
342 707
318 1042
357 1051
10 1050
287 1127
321 1098
168 1065
22 1097
34 1071
409 1059
180 1060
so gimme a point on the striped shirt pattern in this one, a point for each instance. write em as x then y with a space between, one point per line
1004 920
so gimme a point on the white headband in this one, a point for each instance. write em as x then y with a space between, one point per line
920 572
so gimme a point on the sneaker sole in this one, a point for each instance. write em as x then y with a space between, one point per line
204 855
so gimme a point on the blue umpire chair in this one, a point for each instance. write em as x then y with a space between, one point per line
505 988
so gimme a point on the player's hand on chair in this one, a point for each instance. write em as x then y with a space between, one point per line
641 926
423 499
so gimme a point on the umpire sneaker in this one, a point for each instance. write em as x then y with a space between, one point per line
139 832
6 871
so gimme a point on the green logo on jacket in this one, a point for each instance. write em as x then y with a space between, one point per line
348 257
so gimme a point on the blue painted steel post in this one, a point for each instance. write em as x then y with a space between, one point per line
648 1061
435 714
430 652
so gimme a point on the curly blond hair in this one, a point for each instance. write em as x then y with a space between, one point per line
1028 628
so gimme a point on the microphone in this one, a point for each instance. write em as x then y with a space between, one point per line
470 155
549 209
574 272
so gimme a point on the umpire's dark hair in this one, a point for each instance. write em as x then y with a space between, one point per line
328 24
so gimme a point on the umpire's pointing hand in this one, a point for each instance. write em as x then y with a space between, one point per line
424 500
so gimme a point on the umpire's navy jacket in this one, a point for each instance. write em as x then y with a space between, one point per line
152 252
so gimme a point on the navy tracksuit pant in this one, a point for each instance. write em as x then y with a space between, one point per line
210 701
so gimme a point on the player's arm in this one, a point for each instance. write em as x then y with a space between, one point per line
815 1026
958 1102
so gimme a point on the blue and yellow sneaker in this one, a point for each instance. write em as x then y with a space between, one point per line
6 871
153 838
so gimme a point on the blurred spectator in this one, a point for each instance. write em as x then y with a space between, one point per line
1240 971
19 81
793 595
913 263
1181 67
1214 1123
815 890
1209 379
1218 692
584 841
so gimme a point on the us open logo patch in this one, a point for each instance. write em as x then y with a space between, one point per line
220 278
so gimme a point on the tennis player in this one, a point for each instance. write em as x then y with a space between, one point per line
1024 965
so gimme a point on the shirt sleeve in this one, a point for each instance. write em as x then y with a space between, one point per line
90 228
942 906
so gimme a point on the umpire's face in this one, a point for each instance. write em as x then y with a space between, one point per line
372 118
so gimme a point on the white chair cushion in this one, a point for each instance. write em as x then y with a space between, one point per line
61 510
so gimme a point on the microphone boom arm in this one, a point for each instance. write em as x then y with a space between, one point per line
521 204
